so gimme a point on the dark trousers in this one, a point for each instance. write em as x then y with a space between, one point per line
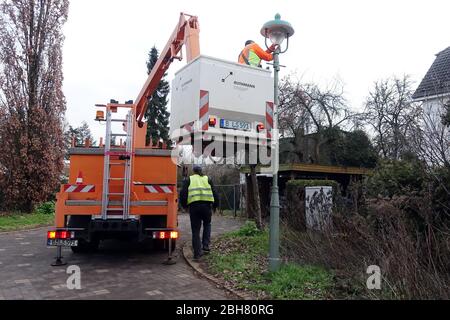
200 212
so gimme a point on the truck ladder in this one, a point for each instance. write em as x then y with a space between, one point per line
127 157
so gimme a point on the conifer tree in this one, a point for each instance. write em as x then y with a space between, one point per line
157 115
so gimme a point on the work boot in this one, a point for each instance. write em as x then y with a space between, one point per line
206 250
197 257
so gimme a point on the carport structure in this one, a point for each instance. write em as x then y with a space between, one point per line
291 171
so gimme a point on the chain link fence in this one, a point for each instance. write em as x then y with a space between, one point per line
230 199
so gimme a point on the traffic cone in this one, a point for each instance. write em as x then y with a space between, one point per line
80 178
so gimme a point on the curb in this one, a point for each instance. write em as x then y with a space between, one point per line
187 253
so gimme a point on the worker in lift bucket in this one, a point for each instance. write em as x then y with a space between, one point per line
253 54
199 195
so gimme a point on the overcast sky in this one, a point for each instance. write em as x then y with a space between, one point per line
358 42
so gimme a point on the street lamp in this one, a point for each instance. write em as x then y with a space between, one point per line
277 31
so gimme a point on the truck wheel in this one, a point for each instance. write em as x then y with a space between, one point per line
86 247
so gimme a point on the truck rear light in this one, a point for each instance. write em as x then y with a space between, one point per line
51 235
60 235
212 121
165 235
260 127
65 235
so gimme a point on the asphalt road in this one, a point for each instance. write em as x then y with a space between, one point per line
119 270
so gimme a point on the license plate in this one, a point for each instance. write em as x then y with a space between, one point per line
236 125
62 242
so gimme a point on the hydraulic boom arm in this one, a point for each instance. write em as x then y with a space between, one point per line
186 33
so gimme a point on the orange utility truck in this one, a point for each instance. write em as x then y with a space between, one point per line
125 190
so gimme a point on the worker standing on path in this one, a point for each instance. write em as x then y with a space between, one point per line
199 195
253 54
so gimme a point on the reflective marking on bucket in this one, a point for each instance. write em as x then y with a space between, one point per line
204 110
269 119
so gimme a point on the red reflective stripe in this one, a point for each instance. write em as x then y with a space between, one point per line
165 188
269 118
269 121
72 188
158 189
203 93
204 110
269 108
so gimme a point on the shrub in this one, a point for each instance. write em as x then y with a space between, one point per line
249 229
46 208
440 185
396 178
400 234
352 149
403 229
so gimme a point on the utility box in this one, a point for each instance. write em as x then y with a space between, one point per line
318 207
223 99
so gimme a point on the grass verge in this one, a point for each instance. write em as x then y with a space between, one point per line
42 216
240 260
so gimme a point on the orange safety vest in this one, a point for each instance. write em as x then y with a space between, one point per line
253 54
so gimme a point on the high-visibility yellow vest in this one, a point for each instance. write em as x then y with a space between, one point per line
253 58
250 57
199 189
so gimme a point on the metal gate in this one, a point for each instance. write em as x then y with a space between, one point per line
229 198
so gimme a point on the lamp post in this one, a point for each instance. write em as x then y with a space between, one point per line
277 31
